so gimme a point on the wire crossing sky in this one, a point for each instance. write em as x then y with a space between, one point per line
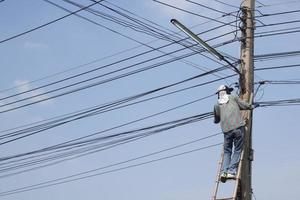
106 99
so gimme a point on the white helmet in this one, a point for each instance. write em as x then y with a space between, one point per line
225 88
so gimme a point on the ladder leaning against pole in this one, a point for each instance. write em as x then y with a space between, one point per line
236 194
237 181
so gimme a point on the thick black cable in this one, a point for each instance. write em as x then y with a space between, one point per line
94 22
285 102
72 142
210 8
43 184
283 82
278 13
277 67
278 4
90 149
148 27
108 110
277 30
276 55
274 34
202 16
111 64
130 160
108 145
48 23
172 124
278 23
150 21
152 29
106 80
103 108
99 59
227 4
135 27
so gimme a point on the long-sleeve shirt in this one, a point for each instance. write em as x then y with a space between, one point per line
229 114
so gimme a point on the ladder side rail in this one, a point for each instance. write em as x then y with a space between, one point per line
217 182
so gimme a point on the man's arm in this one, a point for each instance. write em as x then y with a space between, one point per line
216 114
242 104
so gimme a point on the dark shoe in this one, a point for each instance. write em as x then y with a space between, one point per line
223 177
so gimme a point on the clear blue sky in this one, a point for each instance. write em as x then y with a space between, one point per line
60 48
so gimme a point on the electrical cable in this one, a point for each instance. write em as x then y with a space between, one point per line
277 67
283 82
48 23
106 56
221 2
151 154
202 16
210 8
108 65
97 60
72 142
103 111
152 28
50 183
286 102
104 108
104 81
278 13
277 30
137 27
96 23
278 23
276 55
274 34
278 4
170 125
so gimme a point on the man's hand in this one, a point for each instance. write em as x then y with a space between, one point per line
254 105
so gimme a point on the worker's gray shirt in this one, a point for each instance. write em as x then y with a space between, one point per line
229 114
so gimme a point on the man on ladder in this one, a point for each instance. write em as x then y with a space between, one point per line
227 112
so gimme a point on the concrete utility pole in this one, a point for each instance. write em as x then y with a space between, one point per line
243 189
247 51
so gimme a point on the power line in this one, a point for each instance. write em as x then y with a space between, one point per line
95 110
114 54
277 67
114 140
274 34
286 102
106 80
71 141
278 23
96 23
150 21
48 23
109 56
114 63
279 4
140 27
53 182
278 13
65 144
262 57
210 8
277 30
221 2
202 16
283 82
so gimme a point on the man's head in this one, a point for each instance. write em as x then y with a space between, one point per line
225 88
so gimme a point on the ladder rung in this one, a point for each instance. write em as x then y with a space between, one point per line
228 198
